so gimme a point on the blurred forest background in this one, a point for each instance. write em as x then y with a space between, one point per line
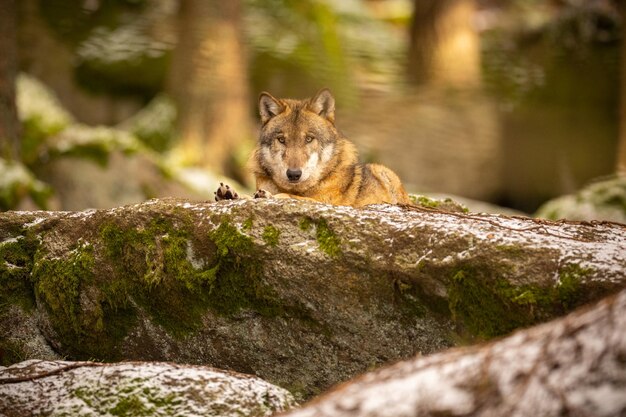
109 102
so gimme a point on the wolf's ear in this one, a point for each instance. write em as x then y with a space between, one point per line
269 107
324 104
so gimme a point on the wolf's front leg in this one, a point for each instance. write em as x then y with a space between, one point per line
224 192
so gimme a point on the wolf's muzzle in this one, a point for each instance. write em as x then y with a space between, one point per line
293 175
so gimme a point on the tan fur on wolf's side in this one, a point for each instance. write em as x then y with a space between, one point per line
301 154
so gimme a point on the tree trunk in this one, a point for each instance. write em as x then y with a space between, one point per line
569 367
444 48
209 82
43 388
9 124
621 147
302 294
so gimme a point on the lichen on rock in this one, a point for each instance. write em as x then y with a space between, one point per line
60 388
303 294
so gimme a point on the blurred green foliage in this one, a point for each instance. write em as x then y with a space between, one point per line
155 124
554 72
122 61
313 43
74 20
41 115
294 45
536 50
534 56
17 182
114 52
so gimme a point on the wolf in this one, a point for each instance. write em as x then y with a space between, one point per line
301 154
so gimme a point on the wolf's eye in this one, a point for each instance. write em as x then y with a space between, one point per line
309 138
281 138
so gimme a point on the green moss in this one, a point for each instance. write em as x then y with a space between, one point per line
247 225
175 276
305 224
141 251
85 395
525 297
90 326
229 240
411 297
130 398
11 352
468 302
511 251
568 287
59 283
327 240
16 264
155 265
129 406
425 201
177 264
447 204
161 402
152 265
238 282
271 235
488 306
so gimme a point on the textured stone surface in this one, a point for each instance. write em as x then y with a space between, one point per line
604 199
572 366
61 388
301 294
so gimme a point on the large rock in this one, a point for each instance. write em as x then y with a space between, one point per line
301 294
569 367
60 388
604 199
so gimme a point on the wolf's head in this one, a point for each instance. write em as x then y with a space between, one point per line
297 140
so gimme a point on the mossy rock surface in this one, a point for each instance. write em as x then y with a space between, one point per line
302 294
603 199
61 388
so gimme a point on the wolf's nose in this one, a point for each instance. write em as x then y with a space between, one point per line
294 174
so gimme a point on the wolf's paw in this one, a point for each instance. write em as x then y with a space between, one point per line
224 192
262 194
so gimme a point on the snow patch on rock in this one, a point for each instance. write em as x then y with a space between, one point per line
160 389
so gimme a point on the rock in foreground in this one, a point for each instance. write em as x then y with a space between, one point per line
569 367
301 294
59 388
